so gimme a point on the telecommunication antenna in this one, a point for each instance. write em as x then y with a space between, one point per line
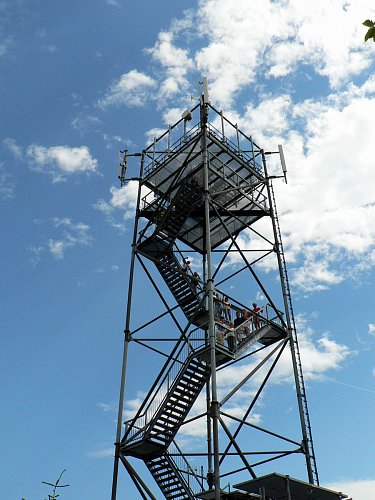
282 159
122 166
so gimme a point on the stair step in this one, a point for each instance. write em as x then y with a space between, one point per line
169 419
175 411
191 385
188 386
181 397
182 289
193 379
174 406
200 368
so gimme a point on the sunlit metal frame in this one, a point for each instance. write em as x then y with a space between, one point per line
212 208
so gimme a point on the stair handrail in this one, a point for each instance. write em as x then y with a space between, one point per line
183 466
159 394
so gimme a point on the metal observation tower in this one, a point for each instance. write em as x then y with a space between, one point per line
208 354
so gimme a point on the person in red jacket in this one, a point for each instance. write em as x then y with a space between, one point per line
255 312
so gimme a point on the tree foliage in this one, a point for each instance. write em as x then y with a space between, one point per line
371 29
56 485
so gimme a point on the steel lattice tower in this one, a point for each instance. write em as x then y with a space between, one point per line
201 184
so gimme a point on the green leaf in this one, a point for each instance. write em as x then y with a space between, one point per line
368 23
370 33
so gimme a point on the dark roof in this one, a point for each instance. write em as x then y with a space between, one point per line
277 485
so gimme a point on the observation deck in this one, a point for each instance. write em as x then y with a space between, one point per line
235 177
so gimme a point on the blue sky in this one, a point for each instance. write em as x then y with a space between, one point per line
80 81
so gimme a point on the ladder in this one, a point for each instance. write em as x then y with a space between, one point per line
301 391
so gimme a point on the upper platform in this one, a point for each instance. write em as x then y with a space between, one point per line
236 181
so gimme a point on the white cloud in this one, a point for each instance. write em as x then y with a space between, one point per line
359 489
327 208
123 200
13 147
70 235
36 252
7 185
272 37
59 161
102 453
51 48
371 329
107 407
176 63
84 123
5 45
132 89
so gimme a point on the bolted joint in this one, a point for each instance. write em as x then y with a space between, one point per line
210 480
304 447
215 409
128 335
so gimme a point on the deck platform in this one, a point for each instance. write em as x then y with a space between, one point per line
280 487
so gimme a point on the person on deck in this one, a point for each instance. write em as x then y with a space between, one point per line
219 332
218 305
239 319
231 338
227 309
247 320
255 312
196 281
185 265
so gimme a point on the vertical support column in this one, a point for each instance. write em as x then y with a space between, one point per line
299 389
214 410
210 474
127 338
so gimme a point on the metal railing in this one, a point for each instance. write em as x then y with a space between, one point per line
135 427
170 148
159 158
249 159
193 479
239 337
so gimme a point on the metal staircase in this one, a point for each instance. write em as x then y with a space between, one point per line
182 284
159 247
175 206
178 402
174 476
151 432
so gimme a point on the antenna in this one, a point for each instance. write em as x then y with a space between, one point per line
282 159
205 90
186 115
122 166
203 96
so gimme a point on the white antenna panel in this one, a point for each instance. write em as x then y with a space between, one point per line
282 158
